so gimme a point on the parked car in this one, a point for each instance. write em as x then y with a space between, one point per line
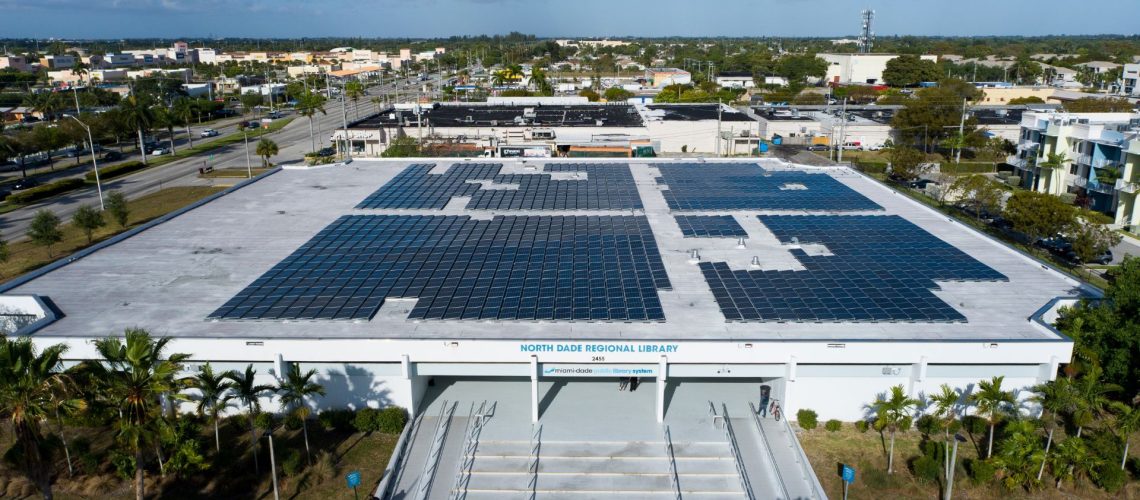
112 156
273 115
25 183
919 184
4 194
818 147
209 133
158 151
253 124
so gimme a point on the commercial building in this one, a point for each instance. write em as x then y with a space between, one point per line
792 125
1003 123
663 77
57 61
1130 80
1001 96
866 128
859 68
735 80
524 290
1100 152
15 62
709 129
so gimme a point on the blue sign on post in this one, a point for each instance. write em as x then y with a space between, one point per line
848 474
353 479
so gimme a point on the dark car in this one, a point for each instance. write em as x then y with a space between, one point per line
817 147
112 156
919 184
25 183
4 194
326 152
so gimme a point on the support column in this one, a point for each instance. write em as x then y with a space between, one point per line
789 381
662 369
413 400
534 389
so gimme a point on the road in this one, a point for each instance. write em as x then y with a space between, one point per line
293 141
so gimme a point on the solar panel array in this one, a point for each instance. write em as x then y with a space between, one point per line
710 226
882 268
603 187
747 186
592 268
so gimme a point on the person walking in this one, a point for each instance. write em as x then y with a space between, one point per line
765 398
633 383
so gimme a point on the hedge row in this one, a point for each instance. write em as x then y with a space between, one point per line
390 420
44 191
116 170
968 168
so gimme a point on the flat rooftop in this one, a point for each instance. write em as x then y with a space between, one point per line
551 249
477 115
696 112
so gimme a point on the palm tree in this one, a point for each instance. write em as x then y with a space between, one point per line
80 69
991 402
265 149
541 82
138 375
1054 160
249 393
946 410
1126 423
354 90
890 414
138 115
1091 399
214 395
184 109
1055 397
1020 452
513 71
166 118
44 103
33 389
1073 460
308 105
293 391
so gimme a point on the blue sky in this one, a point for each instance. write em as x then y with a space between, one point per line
429 18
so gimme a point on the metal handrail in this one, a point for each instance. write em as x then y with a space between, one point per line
768 450
801 458
471 445
395 469
445 413
731 437
712 412
672 464
535 450
463 458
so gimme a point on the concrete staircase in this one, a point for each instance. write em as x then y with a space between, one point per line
581 470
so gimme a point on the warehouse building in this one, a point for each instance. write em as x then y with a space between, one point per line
514 297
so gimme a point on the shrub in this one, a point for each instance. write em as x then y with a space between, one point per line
115 171
44 191
292 463
124 464
340 420
1110 477
365 420
926 424
833 425
905 424
1013 180
926 468
807 419
292 421
391 420
974 424
263 421
981 471
862 425
1068 198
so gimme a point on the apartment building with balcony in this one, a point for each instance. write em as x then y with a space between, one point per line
1100 159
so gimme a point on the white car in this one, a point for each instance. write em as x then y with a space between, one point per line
158 151
209 133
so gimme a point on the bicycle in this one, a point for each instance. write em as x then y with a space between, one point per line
775 409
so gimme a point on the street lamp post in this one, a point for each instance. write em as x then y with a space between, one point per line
94 163
273 465
953 463
245 139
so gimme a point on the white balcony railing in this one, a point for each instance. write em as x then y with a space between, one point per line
1127 187
1015 161
1105 163
1080 182
1084 159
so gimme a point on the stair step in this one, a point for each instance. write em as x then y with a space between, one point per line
602 482
584 495
721 465
633 449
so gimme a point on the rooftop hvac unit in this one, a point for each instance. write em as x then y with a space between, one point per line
529 113
601 122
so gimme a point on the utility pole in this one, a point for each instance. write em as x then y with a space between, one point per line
719 110
344 116
842 131
961 131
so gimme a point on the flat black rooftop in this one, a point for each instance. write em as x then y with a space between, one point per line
694 112
998 117
783 115
448 115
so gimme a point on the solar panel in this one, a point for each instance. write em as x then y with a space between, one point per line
584 268
880 268
747 186
710 226
601 187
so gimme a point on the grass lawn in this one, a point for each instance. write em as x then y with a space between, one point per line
25 255
866 451
229 173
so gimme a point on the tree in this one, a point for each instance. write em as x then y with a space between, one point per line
1055 397
1125 424
907 163
87 219
248 392
617 94
251 100
590 94
1073 460
1099 105
138 375
908 70
1091 240
5 251
215 391
978 192
184 110
293 390
136 113
308 105
1108 331
117 208
266 149
1016 101
1038 215
798 68
933 114
168 119
991 403
354 90
1026 70
44 230
891 414
402 147
540 82
34 389
1091 397
1019 455
946 404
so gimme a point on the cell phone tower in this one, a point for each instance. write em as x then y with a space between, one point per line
867 37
